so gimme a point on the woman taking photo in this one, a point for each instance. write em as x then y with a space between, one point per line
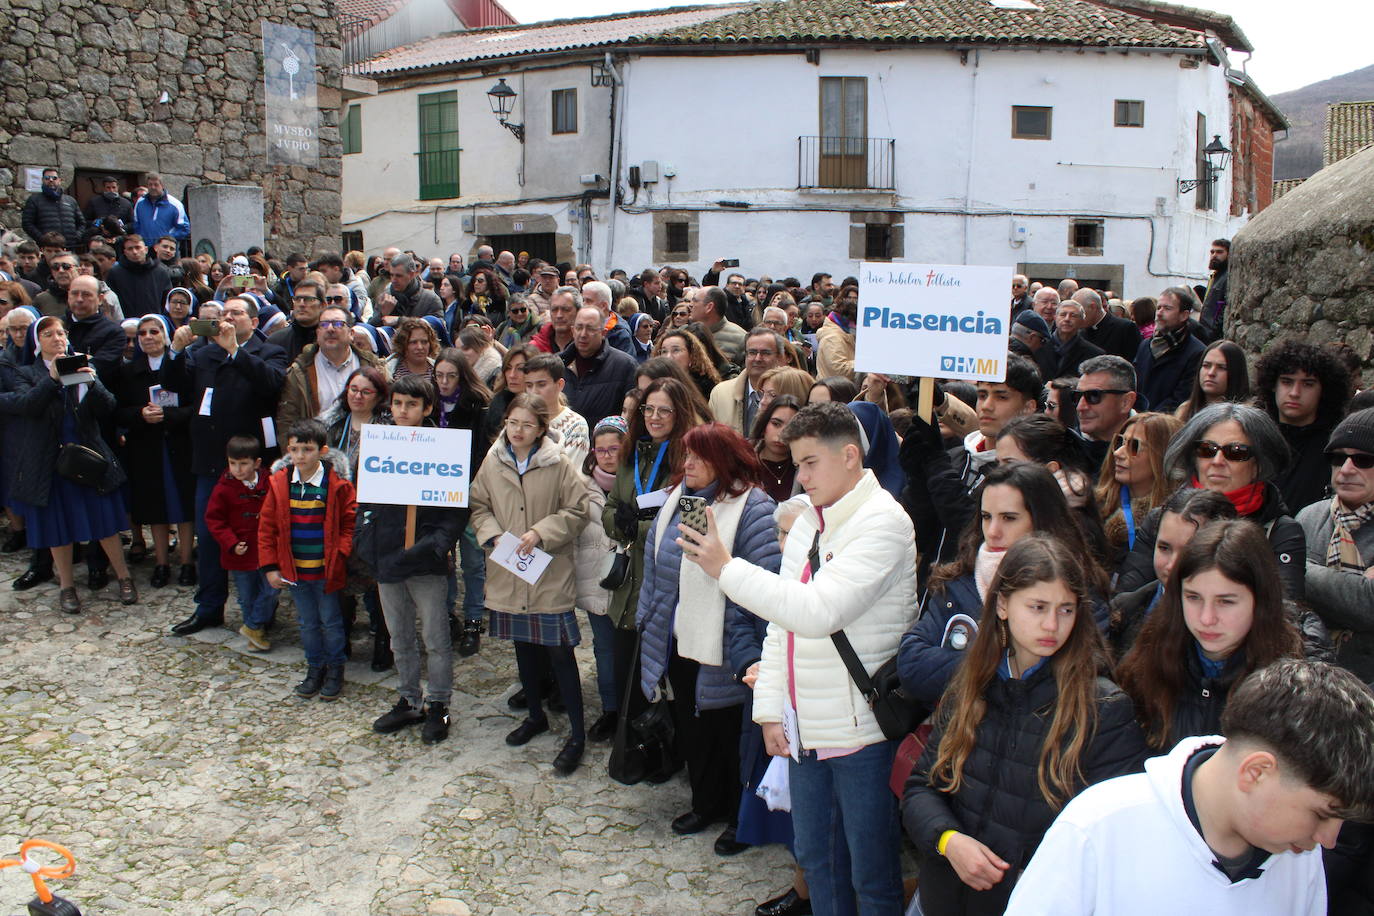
682 614
1133 481
1235 450
650 460
1028 723
1223 375
779 473
415 346
1221 617
1014 501
685 350
58 511
157 452
528 486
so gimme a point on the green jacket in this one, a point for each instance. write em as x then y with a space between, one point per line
625 600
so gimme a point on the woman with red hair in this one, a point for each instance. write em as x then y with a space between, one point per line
682 617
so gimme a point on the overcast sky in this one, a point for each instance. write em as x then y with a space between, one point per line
1295 43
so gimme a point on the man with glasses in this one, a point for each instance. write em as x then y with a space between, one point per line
307 302
297 265
1166 364
405 297
1340 543
331 266
556 335
735 401
1069 343
616 330
596 375
1106 399
1020 294
52 210
53 299
317 377
140 282
233 381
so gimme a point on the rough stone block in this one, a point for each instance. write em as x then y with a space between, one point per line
32 150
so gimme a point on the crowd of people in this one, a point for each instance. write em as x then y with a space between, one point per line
1078 576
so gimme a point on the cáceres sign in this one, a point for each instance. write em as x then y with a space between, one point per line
414 466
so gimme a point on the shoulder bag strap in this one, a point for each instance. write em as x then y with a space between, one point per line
841 641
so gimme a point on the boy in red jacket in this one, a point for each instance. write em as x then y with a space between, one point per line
231 516
305 535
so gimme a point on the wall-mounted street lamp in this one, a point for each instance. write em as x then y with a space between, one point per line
502 98
601 74
1216 155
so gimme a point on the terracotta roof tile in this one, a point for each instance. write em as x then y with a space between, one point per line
1349 129
772 22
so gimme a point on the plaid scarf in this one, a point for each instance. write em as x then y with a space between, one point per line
1164 341
1342 553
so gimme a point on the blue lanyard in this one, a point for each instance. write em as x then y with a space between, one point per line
343 436
640 488
1129 516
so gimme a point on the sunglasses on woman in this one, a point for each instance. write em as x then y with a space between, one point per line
1360 460
1231 451
1133 445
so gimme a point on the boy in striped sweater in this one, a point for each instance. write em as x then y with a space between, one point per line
305 534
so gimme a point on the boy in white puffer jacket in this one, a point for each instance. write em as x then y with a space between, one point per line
843 814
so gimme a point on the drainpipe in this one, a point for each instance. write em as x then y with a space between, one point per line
972 146
617 87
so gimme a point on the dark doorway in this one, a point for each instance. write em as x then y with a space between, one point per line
538 244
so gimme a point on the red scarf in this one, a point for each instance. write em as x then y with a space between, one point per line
1247 499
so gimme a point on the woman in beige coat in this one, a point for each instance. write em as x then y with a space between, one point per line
528 487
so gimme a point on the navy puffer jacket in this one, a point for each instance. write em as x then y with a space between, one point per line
755 541
999 802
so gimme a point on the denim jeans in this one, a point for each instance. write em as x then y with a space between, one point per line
322 627
603 650
257 599
847 837
474 565
212 582
403 603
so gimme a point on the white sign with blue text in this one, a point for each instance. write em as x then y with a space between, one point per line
414 466
933 320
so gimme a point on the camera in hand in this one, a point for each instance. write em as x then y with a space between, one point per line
730 262
204 327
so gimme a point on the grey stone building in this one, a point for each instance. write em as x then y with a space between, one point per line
124 87
1305 266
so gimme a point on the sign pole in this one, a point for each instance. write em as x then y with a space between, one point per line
410 527
925 400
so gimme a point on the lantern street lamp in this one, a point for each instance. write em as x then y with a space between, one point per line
502 98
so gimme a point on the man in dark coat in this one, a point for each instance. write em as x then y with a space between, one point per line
1166 364
1020 294
140 282
92 333
405 297
50 210
53 299
109 213
233 380
596 375
1115 336
1069 342
1212 321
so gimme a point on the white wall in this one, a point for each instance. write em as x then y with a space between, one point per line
727 127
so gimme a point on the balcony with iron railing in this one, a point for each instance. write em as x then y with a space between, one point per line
355 36
846 163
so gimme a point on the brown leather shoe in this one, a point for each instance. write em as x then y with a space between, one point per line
70 601
127 593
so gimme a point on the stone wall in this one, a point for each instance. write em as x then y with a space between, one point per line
80 83
1304 267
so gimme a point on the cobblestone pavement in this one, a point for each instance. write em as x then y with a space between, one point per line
188 780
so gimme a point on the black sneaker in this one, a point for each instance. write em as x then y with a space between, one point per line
436 723
603 729
314 679
469 642
401 715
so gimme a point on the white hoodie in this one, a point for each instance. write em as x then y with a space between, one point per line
1125 847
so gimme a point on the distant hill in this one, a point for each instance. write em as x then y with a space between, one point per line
1301 154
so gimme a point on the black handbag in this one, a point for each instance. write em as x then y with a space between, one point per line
643 747
82 464
897 712
618 573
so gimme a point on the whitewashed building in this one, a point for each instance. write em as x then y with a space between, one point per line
804 135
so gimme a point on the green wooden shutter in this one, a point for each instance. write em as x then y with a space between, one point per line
438 145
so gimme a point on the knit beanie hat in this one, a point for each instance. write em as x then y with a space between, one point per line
611 424
1355 431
